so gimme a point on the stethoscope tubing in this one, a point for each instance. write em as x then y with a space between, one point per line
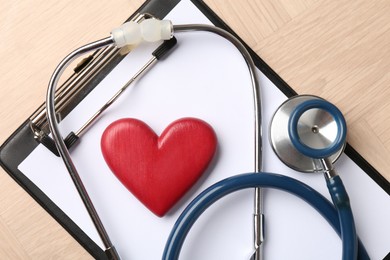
341 222
347 224
61 146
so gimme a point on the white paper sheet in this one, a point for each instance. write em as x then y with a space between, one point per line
204 77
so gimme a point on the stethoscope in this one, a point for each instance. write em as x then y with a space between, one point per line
307 134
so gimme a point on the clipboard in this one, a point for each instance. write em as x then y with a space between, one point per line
24 140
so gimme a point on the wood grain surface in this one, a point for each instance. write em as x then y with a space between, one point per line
35 36
337 49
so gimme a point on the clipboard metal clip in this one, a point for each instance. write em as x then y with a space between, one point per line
78 86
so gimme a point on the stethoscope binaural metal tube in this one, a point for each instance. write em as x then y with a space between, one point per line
258 167
60 143
254 80
63 150
65 155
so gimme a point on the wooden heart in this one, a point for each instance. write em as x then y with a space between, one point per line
158 170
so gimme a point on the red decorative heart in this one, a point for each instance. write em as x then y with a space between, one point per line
158 170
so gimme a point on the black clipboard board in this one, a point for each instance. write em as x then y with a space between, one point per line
22 142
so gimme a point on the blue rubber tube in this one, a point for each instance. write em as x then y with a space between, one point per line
266 180
341 202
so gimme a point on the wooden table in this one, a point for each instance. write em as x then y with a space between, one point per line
337 49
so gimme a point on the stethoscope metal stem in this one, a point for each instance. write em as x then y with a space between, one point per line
62 149
258 201
328 168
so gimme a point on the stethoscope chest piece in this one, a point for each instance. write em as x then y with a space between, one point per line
316 128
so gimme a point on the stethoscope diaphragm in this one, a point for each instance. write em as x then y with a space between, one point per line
316 127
